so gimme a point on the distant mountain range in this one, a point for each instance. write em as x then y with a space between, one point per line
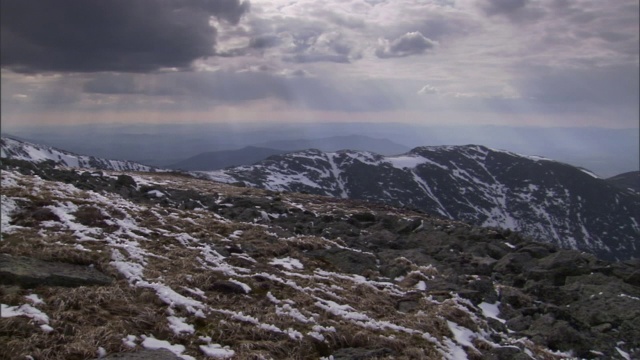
545 199
336 143
22 150
215 160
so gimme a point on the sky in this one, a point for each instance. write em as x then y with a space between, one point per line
440 62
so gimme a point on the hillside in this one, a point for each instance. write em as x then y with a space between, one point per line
544 199
22 150
629 180
208 270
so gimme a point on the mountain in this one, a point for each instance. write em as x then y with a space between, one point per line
545 199
335 143
22 150
215 160
165 266
629 180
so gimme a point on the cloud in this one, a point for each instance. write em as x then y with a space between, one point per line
412 43
204 90
520 11
109 35
493 7
428 89
264 41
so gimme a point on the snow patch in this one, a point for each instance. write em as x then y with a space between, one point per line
288 263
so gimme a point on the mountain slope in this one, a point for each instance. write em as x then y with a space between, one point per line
629 180
205 269
215 160
22 150
547 200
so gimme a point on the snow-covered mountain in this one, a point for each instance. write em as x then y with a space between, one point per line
22 150
545 199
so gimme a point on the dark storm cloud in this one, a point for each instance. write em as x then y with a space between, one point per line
199 90
109 35
408 44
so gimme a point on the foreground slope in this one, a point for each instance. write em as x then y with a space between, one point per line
209 270
22 150
545 199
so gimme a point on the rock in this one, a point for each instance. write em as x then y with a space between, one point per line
519 323
346 260
125 181
567 263
483 265
365 217
484 288
515 297
536 250
361 354
633 278
506 353
29 272
407 305
227 287
513 263
159 354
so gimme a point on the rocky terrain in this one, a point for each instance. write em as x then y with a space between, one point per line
162 265
544 199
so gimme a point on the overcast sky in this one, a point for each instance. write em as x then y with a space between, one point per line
511 62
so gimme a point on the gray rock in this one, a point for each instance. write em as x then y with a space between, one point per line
29 272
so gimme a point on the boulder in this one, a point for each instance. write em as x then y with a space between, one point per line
28 272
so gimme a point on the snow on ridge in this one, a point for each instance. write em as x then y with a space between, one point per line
22 150
406 161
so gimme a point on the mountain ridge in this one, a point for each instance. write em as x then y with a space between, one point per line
23 150
549 200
